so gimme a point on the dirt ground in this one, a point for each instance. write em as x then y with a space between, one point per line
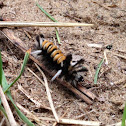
108 17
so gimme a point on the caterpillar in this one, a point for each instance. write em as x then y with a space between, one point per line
63 64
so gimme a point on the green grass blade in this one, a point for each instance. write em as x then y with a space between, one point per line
48 15
3 110
20 114
97 71
57 36
124 116
1 107
0 69
22 69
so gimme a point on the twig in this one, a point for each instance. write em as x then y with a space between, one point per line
7 108
48 94
101 5
38 104
40 24
88 93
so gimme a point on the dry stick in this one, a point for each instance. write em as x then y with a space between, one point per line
7 108
17 42
40 24
90 94
48 94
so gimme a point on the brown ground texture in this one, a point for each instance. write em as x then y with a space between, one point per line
108 17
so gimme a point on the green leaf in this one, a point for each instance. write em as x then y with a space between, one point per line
20 114
0 69
124 116
53 19
97 71
22 69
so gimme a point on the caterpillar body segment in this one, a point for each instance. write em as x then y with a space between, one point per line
51 49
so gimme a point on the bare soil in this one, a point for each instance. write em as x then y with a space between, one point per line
108 17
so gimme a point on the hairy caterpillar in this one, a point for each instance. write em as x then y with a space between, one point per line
63 64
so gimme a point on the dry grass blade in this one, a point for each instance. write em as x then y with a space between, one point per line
105 57
7 108
30 115
74 122
123 4
40 24
48 94
37 77
61 116
115 124
79 122
95 45
121 56
32 99
2 121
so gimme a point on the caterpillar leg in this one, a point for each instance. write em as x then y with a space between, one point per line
56 75
73 64
37 52
40 39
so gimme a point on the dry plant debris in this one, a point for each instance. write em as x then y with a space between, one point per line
108 18
7 108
